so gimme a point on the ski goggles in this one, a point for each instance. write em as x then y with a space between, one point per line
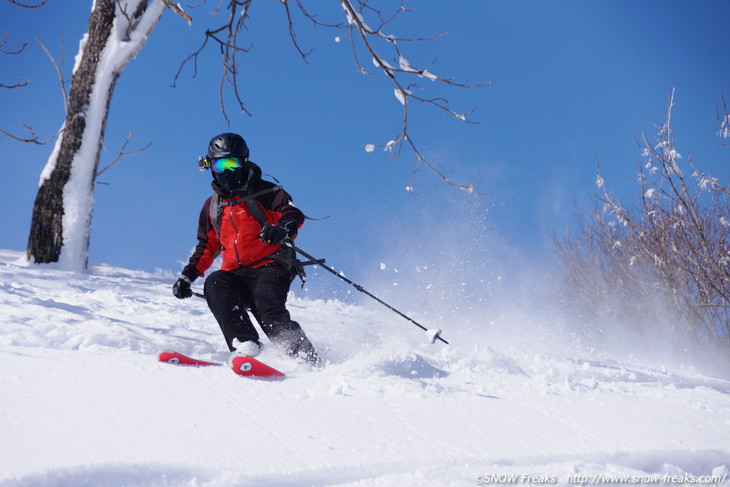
220 165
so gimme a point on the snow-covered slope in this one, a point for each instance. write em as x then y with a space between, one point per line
85 403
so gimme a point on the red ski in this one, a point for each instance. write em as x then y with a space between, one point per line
250 367
180 359
245 366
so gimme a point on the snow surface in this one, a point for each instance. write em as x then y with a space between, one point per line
84 401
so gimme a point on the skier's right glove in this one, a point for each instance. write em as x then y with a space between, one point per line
181 289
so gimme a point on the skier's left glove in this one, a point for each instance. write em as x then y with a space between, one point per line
181 289
274 234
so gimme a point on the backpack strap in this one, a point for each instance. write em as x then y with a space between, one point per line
255 208
215 212
216 207
285 255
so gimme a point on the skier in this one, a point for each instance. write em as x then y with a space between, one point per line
248 221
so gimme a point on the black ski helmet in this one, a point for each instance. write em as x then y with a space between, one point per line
227 145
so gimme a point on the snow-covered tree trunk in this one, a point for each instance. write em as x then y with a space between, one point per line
61 223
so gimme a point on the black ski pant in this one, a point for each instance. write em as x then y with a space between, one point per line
263 291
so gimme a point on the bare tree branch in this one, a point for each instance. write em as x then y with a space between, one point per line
33 137
229 49
203 2
178 10
292 32
59 70
5 40
15 2
403 93
20 83
354 26
121 154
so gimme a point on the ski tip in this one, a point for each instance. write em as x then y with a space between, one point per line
177 358
168 357
250 367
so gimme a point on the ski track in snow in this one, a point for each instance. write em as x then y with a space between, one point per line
85 403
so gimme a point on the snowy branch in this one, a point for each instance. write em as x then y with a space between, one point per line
368 36
177 9
723 119
374 41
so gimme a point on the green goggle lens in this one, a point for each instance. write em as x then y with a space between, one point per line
226 164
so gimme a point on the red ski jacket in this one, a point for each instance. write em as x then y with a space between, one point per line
238 240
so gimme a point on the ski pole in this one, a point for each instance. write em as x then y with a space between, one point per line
436 336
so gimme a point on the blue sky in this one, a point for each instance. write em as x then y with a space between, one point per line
570 79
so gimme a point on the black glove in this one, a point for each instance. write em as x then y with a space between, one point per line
181 289
274 234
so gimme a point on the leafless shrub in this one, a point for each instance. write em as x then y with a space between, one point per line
666 256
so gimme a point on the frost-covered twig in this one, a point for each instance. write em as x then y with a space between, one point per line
403 92
374 41
723 119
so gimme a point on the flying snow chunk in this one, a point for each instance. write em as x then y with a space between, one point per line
369 147
383 266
